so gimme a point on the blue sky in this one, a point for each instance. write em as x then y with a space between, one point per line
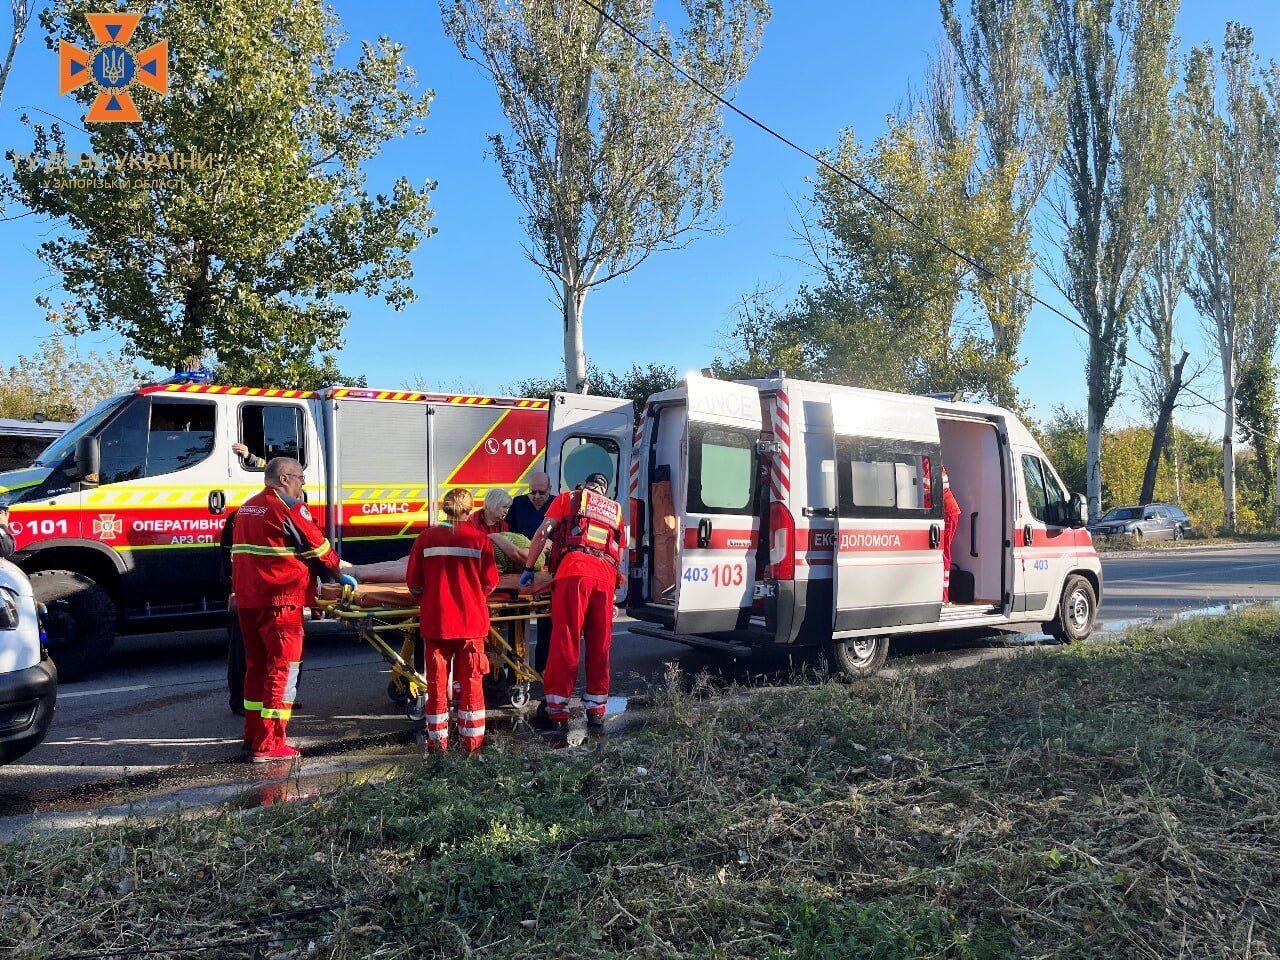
484 317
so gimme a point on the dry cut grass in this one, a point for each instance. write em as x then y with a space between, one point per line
1114 800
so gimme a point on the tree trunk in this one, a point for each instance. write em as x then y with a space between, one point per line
1093 461
1161 432
575 358
1229 440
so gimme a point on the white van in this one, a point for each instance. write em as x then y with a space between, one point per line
787 513
28 680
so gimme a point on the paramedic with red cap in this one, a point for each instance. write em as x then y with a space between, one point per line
951 519
589 538
452 571
277 551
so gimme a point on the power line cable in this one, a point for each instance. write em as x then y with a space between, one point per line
886 204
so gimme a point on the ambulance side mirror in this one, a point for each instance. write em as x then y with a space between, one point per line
1078 509
88 459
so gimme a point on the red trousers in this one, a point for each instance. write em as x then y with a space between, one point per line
470 663
579 606
272 660
948 535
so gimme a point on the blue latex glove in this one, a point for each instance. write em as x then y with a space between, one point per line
526 579
347 580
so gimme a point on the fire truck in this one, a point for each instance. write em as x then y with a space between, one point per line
118 522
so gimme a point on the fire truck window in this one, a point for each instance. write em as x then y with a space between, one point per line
273 430
722 469
1037 498
123 443
181 436
580 457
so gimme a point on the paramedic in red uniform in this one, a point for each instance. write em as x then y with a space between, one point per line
589 537
951 518
277 550
452 571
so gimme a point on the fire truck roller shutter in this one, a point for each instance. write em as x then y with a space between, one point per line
382 457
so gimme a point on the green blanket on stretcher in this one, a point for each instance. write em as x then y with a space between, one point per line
507 565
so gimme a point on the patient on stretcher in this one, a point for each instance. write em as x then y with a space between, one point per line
383 584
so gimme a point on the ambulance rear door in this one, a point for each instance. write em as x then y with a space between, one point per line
587 434
888 568
719 527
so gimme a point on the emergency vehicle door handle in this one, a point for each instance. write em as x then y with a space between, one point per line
1026 535
217 502
935 536
704 533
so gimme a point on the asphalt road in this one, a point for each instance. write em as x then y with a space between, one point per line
162 701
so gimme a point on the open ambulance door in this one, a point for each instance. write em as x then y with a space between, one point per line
587 434
716 567
888 569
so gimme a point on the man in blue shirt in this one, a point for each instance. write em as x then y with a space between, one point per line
525 517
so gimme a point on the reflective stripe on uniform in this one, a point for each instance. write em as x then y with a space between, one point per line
272 713
318 552
436 718
471 731
597 699
470 715
438 734
291 684
253 704
468 552
557 700
242 548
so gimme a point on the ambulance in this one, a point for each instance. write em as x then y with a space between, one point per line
806 516
118 522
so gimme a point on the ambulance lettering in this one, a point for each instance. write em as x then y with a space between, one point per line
384 508
875 541
725 405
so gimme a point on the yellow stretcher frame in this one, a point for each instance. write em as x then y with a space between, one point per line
506 645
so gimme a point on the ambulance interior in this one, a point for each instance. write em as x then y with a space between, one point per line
971 455
666 492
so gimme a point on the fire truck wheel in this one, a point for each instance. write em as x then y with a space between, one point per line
80 621
858 657
1076 611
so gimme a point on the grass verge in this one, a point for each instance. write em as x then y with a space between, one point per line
1116 799
1129 543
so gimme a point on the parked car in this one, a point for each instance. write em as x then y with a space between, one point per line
1155 521
28 678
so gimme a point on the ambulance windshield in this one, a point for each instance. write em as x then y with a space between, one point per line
65 444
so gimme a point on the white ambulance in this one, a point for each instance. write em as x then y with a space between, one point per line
788 513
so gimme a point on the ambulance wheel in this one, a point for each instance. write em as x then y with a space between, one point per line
519 695
857 657
79 622
1077 609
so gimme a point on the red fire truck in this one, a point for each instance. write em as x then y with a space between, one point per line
118 522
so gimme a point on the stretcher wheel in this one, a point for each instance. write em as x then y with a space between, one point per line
398 692
518 694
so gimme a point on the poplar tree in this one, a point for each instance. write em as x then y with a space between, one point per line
1109 61
612 154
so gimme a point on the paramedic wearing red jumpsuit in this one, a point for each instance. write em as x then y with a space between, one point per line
276 552
452 569
590 537
951 519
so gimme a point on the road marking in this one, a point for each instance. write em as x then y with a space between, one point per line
1198 572
105 690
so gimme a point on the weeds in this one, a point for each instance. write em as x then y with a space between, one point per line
1118 799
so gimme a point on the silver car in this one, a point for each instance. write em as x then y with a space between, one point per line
28 678
1155 521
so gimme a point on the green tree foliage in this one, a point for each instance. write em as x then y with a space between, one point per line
637 383
1235 221
1110 61
891 310
60 383
612 154
241 261
997 51
1256 408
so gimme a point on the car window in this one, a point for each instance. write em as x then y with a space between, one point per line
1034 480
181 435
1055 497
722 469
273 430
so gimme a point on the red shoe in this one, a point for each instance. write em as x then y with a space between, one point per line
276 754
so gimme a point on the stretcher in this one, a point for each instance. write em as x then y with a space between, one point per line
386 617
